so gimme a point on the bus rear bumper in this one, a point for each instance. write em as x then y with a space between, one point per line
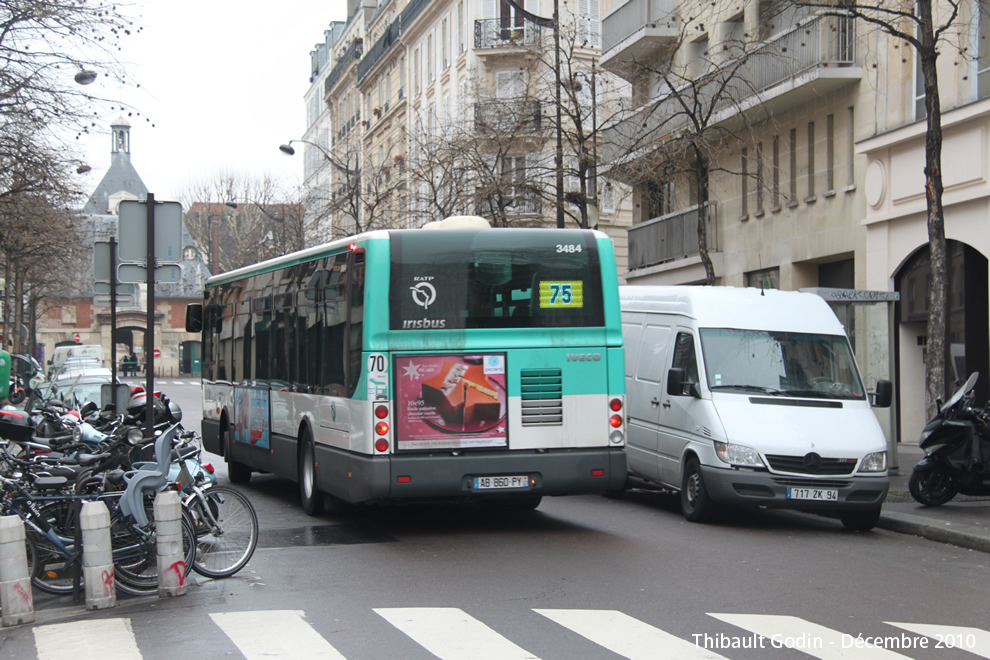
435 475
560 472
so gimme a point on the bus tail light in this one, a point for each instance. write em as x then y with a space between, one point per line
381 428
615 421
615 405
381 412
381 444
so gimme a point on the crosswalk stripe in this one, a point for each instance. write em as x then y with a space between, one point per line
107 639
974 640
274 634
452 634
627 636
791 632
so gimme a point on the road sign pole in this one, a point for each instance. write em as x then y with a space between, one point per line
113 318
149 335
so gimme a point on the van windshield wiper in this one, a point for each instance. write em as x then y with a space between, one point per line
747 388
812 394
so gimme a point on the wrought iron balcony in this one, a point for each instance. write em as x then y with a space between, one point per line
810 59
672 236
508 116
501 33
351 55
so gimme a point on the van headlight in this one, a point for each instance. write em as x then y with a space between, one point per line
738 455
875 462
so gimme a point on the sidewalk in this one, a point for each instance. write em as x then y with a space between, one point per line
964 521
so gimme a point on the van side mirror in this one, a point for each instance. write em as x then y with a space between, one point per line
194 318
884 394
676 385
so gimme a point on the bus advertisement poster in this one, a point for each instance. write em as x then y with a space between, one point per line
252 418
451 401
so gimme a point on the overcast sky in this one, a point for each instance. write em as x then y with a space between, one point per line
223 84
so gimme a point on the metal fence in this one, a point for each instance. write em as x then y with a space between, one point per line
671 236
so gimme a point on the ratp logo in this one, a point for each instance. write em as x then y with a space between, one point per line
423 294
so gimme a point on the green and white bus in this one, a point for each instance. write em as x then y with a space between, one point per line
402 365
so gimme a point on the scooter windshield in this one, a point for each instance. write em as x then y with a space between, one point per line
961 392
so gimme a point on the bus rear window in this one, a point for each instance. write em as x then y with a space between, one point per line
494 278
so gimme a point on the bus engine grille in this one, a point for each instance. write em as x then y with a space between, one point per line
542 397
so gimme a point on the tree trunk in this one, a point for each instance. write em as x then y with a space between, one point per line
935 358
701 180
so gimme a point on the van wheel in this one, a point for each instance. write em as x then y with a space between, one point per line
309 493
696 503
861 521
238 473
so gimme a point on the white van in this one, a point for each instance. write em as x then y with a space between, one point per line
750 397
63 353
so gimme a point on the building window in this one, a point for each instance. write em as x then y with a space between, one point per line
920 111
443 44
983 52
830 153
811 163
768 278
792 199
759 179
608 198
851 150
776 174
659 199
744 183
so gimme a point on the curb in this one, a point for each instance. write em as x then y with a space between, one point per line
964 536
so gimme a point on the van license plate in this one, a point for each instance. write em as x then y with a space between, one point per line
482 483
813 494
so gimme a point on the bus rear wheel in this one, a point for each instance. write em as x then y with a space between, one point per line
238 473
309 493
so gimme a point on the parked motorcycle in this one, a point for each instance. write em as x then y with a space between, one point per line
957 447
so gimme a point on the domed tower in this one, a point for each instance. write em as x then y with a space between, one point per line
121 180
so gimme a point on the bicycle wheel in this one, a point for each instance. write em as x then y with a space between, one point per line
136 557
52 571
226 535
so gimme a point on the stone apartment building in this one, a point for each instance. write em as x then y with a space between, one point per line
814 178
403 76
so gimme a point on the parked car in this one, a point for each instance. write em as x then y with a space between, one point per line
750 397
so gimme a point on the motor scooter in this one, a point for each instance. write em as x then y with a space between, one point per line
957 447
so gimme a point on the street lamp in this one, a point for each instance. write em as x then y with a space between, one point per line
84 76
353 184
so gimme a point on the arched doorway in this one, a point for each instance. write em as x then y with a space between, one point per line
967 332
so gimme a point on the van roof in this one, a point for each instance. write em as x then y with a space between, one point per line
736 307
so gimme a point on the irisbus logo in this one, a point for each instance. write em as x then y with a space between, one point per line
584 357
424 324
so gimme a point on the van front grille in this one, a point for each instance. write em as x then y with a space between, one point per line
811 464
542 397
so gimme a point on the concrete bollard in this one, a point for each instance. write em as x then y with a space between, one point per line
168 533
101 589
16 597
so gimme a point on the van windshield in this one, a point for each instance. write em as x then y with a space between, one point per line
780 363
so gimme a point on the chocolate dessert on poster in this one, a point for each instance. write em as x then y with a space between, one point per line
462 394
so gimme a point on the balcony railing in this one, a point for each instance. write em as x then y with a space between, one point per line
500 33
378 50
632 17
522 116
821 42
352 53
671 236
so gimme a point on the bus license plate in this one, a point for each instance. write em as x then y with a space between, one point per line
819 494
482 483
